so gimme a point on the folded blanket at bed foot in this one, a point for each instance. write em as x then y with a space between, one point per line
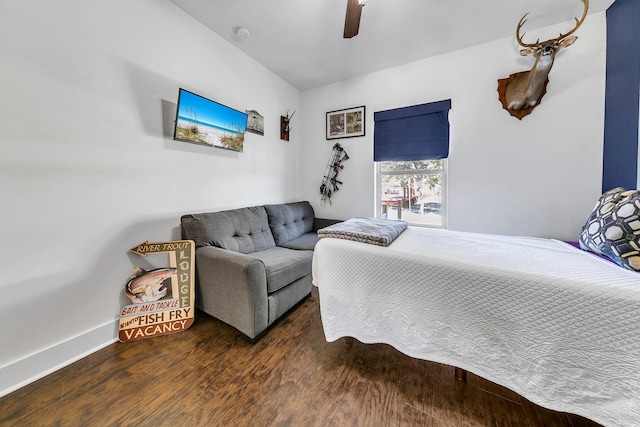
375 231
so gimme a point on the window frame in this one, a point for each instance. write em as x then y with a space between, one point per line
443 196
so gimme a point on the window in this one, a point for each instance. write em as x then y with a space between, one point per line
412 191
410 147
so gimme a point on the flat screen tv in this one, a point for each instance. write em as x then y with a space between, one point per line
202 121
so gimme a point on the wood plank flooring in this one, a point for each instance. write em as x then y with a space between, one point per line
210 376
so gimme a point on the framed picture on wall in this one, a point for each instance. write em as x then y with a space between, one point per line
255 122
345 123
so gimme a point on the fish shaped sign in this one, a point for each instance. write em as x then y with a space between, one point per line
162 299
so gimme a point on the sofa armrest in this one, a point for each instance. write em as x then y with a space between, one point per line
319 223
233 288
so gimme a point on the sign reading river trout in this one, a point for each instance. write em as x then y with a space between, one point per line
162 299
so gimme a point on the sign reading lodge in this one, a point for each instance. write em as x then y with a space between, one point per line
162 299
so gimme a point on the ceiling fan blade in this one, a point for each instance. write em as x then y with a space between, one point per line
352 19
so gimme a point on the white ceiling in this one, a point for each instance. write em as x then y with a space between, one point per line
301 40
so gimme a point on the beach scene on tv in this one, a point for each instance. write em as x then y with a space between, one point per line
202 121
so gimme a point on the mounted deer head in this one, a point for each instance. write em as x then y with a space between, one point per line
521 92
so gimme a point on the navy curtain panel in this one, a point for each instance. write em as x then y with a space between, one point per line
620 158
419 132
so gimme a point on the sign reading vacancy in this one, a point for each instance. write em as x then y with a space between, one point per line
162 299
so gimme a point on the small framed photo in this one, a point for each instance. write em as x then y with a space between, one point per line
345 123
255 122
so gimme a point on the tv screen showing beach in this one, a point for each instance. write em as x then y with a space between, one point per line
202 121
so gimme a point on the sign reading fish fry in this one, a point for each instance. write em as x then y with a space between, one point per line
162 299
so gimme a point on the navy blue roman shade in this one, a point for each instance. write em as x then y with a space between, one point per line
419 132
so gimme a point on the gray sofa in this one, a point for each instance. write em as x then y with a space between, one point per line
253 264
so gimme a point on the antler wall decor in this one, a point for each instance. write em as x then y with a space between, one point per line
521 92
285 126
330 179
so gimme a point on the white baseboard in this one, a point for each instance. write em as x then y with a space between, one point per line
24 371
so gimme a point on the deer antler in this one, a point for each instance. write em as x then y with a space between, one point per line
578 21
562 36
519 37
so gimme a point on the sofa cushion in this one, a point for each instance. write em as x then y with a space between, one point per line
306 242
243 230
284 266
290 220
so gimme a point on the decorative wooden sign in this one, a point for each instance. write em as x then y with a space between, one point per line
162 298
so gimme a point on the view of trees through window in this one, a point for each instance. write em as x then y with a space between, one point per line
412 191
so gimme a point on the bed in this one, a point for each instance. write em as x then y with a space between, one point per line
557 325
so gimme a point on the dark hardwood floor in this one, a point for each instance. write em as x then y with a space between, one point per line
209 376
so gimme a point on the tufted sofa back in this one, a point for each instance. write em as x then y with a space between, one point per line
290 220
243 230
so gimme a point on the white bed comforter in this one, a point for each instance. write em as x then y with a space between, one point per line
557 325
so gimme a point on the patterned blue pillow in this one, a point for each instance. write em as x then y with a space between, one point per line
591 235
613 228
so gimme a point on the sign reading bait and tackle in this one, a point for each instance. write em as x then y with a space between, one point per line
162 299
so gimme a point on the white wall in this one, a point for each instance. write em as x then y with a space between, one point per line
539 176
88 167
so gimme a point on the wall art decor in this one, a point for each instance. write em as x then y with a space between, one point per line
202 121
330 179
285 126
255 122
521 92
345 123
162 299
